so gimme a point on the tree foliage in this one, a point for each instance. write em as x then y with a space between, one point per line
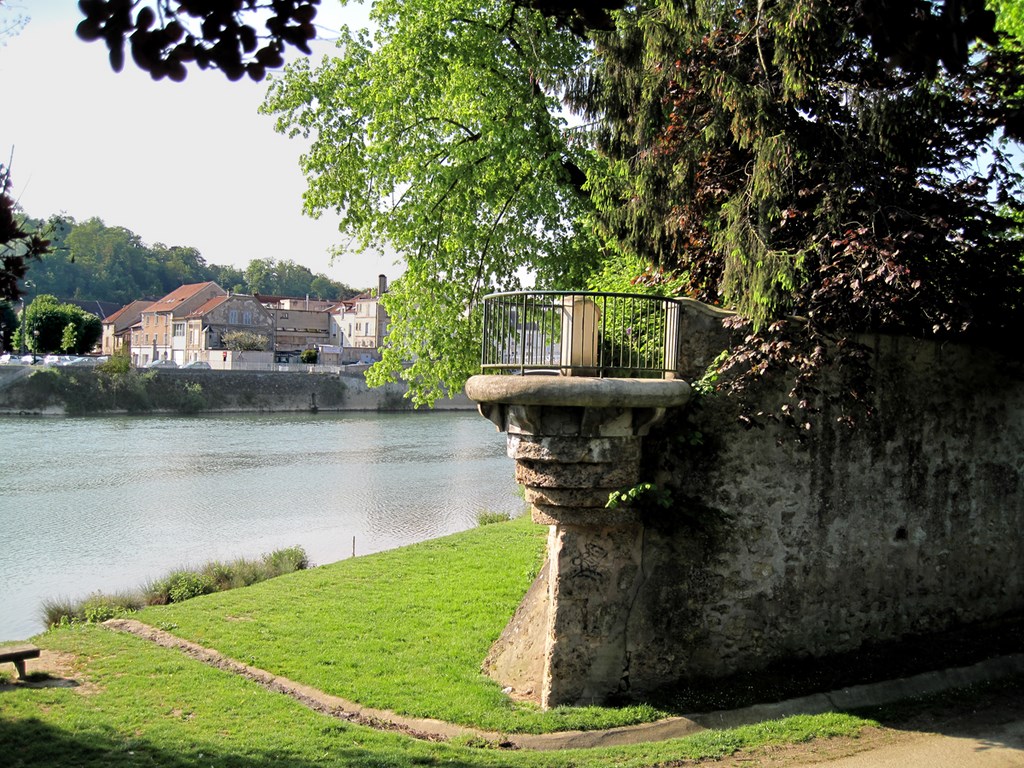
91 260
440 135
165 36
20 245
789 158
50 326
244 341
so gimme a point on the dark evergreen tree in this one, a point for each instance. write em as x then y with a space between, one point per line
790 158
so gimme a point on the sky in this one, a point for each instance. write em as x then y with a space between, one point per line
189 164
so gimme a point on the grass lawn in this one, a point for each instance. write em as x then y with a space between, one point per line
137 704
404 630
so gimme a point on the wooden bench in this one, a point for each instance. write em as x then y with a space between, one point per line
17 654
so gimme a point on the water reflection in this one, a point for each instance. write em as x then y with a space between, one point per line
107 503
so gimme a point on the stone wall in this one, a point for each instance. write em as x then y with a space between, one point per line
771 544
80 391
777 547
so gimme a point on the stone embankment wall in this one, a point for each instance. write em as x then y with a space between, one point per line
774 544
781 545
81 391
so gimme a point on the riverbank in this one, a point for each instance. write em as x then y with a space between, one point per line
404 629
364 627
52 391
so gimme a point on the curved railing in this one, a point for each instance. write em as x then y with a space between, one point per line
580 333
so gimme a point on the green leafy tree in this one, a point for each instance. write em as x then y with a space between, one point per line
69 338
244 341
440 135
45 325
260 276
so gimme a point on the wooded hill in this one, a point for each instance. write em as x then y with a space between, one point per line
92 261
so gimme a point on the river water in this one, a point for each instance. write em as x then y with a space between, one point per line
108 503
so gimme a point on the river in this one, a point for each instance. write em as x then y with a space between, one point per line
108 503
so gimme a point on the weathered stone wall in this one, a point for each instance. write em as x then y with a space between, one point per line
776 547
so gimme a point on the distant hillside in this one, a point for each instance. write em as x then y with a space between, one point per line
94 262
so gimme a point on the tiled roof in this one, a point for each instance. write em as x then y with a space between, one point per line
180 294
127 315
202 309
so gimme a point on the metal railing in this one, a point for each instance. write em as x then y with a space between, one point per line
618 335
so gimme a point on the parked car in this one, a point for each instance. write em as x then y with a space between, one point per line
78 361
161 364
51 360
197 364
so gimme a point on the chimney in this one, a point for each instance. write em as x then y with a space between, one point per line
382 285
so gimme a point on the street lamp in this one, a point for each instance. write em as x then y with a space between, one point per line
29 285
35 344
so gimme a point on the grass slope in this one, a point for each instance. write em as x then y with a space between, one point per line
404 630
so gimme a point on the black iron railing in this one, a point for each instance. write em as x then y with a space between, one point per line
581 334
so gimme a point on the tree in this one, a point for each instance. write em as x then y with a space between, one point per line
45 327
440 135
244 341
69 338
788 158
163 40
260 276
8 325
19 245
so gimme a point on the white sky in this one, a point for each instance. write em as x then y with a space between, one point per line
188 164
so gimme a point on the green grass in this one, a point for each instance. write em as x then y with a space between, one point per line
405 630
138 704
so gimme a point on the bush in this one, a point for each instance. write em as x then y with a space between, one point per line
309 356
179 585
118 363
487 517
287 560
185 585
96 608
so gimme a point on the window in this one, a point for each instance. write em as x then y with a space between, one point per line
247 318
179 329
233 317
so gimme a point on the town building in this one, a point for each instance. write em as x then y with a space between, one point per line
160 332
206 326
299 324
117 328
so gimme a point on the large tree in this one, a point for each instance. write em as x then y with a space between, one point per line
440 135
787 158
50 326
